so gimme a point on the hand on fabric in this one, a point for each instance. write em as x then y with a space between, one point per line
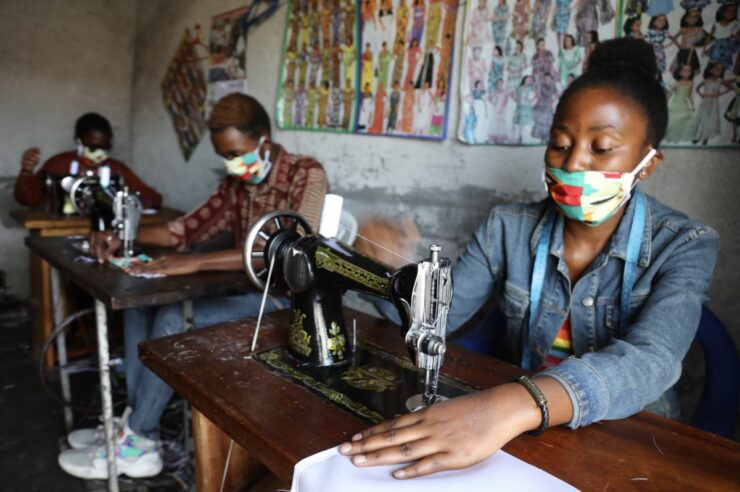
450 435
30 159
168 265
103 245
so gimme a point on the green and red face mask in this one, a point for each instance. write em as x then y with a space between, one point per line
592 197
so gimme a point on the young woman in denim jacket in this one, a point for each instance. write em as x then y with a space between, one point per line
567 260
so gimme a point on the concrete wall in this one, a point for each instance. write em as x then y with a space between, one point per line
58 60
446 187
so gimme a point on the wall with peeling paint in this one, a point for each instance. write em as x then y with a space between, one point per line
58 60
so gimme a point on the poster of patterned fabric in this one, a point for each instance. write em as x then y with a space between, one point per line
519 55
184 95
319 63
227 45
405 63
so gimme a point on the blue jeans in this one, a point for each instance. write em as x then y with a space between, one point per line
147 394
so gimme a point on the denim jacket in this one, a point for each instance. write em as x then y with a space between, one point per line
612 375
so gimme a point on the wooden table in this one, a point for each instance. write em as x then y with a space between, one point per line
41 223
278 423
114 289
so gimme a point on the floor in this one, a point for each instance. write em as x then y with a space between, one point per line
33 422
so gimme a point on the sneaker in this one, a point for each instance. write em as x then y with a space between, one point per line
84 438
136 457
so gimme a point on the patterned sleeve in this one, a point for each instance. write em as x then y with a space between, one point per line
307 191
204 222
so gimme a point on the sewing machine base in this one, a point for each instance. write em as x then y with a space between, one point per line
375 384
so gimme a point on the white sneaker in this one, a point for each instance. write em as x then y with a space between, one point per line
84 438
136 456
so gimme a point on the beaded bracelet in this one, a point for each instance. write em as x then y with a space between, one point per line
541 401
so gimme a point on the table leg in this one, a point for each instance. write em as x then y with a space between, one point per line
211 449
57 300
101 318
187 325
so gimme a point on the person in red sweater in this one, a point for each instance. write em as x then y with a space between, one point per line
94 136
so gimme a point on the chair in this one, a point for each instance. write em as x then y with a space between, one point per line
717 408
484 337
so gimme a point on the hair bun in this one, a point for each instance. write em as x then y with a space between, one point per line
624 54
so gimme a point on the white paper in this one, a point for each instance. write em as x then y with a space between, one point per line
329 471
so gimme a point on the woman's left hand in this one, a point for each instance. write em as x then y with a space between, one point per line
450 435
168 265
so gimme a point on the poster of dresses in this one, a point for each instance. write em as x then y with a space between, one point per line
227 46
696 43
519 56
377 67
405 62
184 95
317 89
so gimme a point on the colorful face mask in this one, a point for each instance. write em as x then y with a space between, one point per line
250 167
591 196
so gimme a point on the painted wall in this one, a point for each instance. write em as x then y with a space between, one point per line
446 187
58 60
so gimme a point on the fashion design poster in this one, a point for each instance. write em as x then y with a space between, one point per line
228 55
696 44
406 54
318 76
184 95
519 55
386 72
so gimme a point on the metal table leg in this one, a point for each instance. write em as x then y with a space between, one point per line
101 319
187 325
57 301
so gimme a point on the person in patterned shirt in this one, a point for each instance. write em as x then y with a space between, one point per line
263 177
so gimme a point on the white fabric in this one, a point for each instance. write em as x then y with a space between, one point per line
329 471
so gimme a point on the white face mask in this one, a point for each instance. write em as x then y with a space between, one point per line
93 156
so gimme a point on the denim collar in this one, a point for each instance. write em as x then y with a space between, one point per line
617 245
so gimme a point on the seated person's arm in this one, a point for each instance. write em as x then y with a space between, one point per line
104 244
197 226
29 186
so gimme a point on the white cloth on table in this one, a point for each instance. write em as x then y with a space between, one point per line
329 471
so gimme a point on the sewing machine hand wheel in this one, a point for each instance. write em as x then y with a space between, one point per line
271 231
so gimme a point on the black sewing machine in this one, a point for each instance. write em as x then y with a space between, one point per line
109 207
282 253
57 200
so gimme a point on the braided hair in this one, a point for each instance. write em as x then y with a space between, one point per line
628 67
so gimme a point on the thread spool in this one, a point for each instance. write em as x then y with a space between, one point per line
330 214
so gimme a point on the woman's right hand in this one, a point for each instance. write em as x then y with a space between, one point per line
103 245
30 159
